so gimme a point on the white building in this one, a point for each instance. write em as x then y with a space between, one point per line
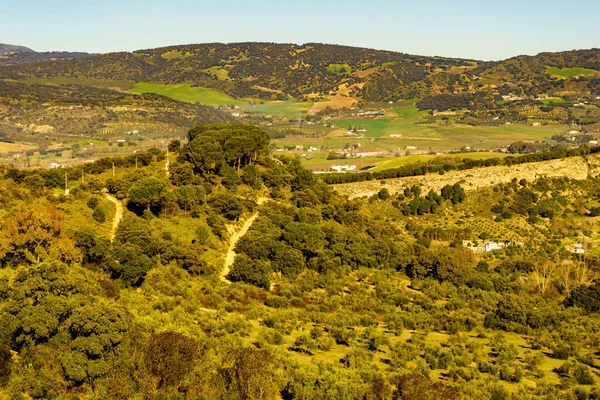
343 168
491 246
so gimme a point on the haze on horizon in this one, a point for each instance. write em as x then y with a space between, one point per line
492 31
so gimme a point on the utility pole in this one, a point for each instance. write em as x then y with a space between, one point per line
66 184
167 164
113 169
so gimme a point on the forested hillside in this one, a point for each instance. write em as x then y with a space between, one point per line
279 70
240 69
69 110
287 82
484 294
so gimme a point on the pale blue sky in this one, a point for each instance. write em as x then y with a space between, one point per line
487 30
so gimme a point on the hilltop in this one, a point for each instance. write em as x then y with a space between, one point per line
14 54
6 49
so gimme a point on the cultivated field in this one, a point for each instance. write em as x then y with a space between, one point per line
401 161
145 129
188 93
284 109
15 147
334 102
567 73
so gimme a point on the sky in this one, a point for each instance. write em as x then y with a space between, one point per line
482 30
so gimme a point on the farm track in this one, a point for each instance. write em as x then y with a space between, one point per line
118 215
235 237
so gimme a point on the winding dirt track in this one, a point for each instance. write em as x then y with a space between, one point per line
235 236
118 215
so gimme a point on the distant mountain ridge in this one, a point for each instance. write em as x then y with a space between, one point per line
6 49
13 54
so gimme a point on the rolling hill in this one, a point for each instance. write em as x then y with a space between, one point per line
278 71
264 70
7 49
14 54
288 81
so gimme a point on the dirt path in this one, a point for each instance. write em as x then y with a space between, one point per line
235 236
118 215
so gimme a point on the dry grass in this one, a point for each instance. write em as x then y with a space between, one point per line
334 102
473 179
15 147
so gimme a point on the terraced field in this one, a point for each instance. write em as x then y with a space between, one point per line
144 128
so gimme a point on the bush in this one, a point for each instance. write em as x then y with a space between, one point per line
93 202
99 214
253 272
583 375
384 194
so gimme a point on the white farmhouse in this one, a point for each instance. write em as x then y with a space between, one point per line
343 168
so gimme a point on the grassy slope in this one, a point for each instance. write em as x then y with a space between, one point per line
211 97
567 73
285 109
187 93
401 161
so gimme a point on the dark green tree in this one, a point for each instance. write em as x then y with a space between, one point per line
146 193
170 356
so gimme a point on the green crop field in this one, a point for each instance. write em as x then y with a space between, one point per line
187 93
339 69
285 109
373 127
566 73
404 125
409 112
506 133
557 100
396 162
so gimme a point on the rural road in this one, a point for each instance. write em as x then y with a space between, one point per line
235 236
118 215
